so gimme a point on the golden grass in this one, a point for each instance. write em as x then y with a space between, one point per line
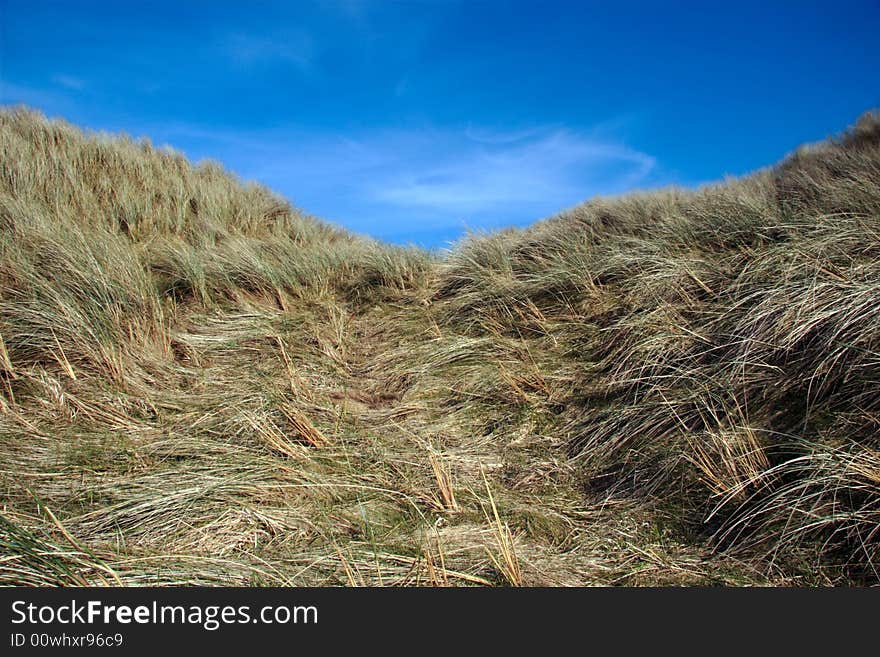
207 386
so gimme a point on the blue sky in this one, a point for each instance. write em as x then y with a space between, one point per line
412 121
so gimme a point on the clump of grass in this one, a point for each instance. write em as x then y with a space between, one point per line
506 561
31 560
443 476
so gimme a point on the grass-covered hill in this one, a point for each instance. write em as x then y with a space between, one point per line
199 384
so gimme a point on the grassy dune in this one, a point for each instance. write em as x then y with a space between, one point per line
200 384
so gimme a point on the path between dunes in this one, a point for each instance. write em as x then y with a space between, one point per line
390 478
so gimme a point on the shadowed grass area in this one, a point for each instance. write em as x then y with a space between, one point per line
199 384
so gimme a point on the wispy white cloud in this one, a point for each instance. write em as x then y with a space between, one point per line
483 135
294 47
482 170
394 182
69 81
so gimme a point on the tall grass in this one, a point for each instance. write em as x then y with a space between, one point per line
206 385
728 340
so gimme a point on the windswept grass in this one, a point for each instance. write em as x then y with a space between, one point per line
727 343
200 384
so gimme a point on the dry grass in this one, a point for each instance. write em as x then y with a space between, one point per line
506 560
201 385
